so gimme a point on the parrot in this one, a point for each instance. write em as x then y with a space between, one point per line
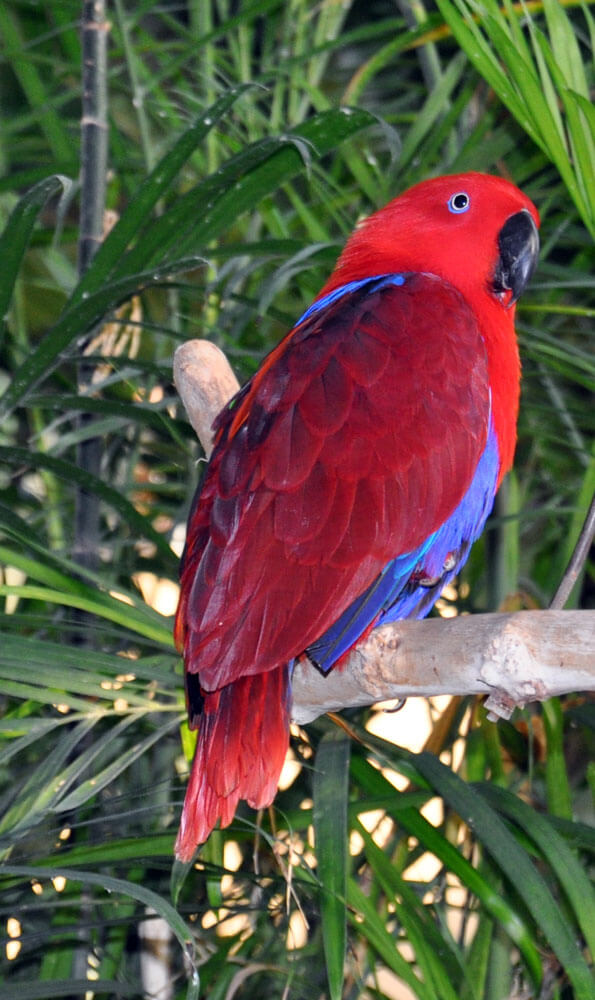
351 474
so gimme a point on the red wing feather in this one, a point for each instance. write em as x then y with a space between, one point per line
356 439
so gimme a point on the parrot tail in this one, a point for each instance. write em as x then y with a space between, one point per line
242 741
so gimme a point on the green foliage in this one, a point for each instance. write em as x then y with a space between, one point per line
542 80
330 793
236 169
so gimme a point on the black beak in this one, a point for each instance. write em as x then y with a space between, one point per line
518 242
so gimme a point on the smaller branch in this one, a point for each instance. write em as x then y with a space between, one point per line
577 560
513 658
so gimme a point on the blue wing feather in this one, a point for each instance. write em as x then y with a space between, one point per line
397 592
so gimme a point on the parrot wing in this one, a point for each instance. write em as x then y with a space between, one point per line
353 445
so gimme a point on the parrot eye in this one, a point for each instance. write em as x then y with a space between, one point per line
459 202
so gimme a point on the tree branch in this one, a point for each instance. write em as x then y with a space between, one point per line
513 658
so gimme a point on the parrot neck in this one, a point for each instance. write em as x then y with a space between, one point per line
504 369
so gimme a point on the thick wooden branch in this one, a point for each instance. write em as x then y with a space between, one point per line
512 658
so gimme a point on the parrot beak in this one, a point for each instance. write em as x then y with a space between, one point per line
518 242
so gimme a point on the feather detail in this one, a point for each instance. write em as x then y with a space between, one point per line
423 437
241 747
410 584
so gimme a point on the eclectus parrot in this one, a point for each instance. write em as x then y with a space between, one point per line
351 475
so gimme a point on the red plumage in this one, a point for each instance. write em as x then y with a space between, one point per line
253 754
355 441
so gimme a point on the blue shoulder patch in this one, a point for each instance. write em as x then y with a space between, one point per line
350 286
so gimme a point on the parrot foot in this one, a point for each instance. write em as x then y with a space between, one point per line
425 580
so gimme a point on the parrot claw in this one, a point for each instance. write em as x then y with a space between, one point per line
424 580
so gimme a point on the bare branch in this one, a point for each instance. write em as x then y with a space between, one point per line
513 658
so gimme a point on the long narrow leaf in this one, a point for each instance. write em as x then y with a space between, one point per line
516 865
94 484
369 923
87 789
127 608
563 862
76 321
17 648
60 988
107 883
435 842
19 229
149 416
117 611
330 795
436 954
214 205
40 786
139 211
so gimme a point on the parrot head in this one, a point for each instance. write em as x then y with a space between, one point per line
478 233
475 231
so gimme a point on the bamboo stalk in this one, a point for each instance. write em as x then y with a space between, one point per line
94 130
94 152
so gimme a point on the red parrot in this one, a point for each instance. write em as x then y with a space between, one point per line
351 475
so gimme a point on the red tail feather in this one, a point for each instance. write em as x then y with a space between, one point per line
242 742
